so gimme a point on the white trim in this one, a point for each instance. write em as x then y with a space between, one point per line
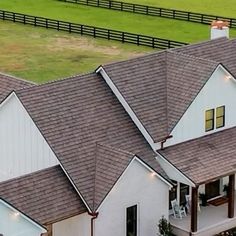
23 215
76 189
226 71
178 171
151 170
135 158
126 106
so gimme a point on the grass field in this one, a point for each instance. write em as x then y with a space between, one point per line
216 7
40 55
158 27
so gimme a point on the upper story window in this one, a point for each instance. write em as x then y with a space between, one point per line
209 122
131 221
220 117
214 118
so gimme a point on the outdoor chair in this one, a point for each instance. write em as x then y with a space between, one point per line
178 211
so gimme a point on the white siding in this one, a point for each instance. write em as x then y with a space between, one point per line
12 225
217 91
22 147
136 186
74 226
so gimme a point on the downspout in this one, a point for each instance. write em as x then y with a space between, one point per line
164 140
94 216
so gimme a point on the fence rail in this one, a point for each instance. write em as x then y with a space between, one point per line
155 11
87 30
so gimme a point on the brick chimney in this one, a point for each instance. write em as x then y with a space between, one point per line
219 29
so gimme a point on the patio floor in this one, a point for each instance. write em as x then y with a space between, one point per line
211 220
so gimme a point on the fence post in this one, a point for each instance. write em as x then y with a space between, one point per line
174 14
169 44
81 29
153 42
147 10
14 17
108 34
69 27
121 6
138 40
24 19
123 37
35 21
58 25
94 32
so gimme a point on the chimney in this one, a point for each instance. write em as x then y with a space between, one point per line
219 29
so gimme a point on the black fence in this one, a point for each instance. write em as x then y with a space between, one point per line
155 11
87 30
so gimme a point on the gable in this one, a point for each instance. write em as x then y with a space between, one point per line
220 90
23 148
14 222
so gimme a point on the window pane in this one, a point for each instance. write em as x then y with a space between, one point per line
209 125
220 111
219 122
210 114
131 221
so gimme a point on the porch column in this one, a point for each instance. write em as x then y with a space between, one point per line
231 196
194 206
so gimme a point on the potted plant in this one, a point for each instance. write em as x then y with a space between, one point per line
165 228
203 198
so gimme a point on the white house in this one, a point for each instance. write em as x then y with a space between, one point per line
106 153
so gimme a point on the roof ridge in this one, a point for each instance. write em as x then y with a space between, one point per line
17 78
200 43
193 57
59 80
111 148
134 58
29 174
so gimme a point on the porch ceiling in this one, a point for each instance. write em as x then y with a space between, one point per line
206 158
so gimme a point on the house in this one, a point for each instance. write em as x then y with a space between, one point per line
106 152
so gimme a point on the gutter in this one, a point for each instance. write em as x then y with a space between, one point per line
94 216
164 140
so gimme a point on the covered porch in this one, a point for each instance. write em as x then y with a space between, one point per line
208 220
211 220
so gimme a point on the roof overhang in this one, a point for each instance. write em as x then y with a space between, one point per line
32 221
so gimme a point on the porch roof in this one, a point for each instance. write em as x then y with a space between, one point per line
205 158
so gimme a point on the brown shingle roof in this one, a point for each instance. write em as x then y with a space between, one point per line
9 83
205 158
110 164
221 50
77 113
159 87
45 196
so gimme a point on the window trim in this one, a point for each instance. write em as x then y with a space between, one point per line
223 116
212 119
136 219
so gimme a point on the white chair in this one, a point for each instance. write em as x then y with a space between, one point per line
178 211
188 203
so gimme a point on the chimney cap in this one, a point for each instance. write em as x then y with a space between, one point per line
219 24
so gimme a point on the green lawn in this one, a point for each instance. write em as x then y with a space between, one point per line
40 55
216 7
159 27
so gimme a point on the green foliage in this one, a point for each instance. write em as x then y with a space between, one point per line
202 6
165 228
134 23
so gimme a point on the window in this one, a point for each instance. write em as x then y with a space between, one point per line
131 221
215 118
220 117
209 120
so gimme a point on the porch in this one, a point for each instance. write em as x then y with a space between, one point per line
211 220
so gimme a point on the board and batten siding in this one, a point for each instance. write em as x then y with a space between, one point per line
218 91
13 223
22 147
138 186
79 225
